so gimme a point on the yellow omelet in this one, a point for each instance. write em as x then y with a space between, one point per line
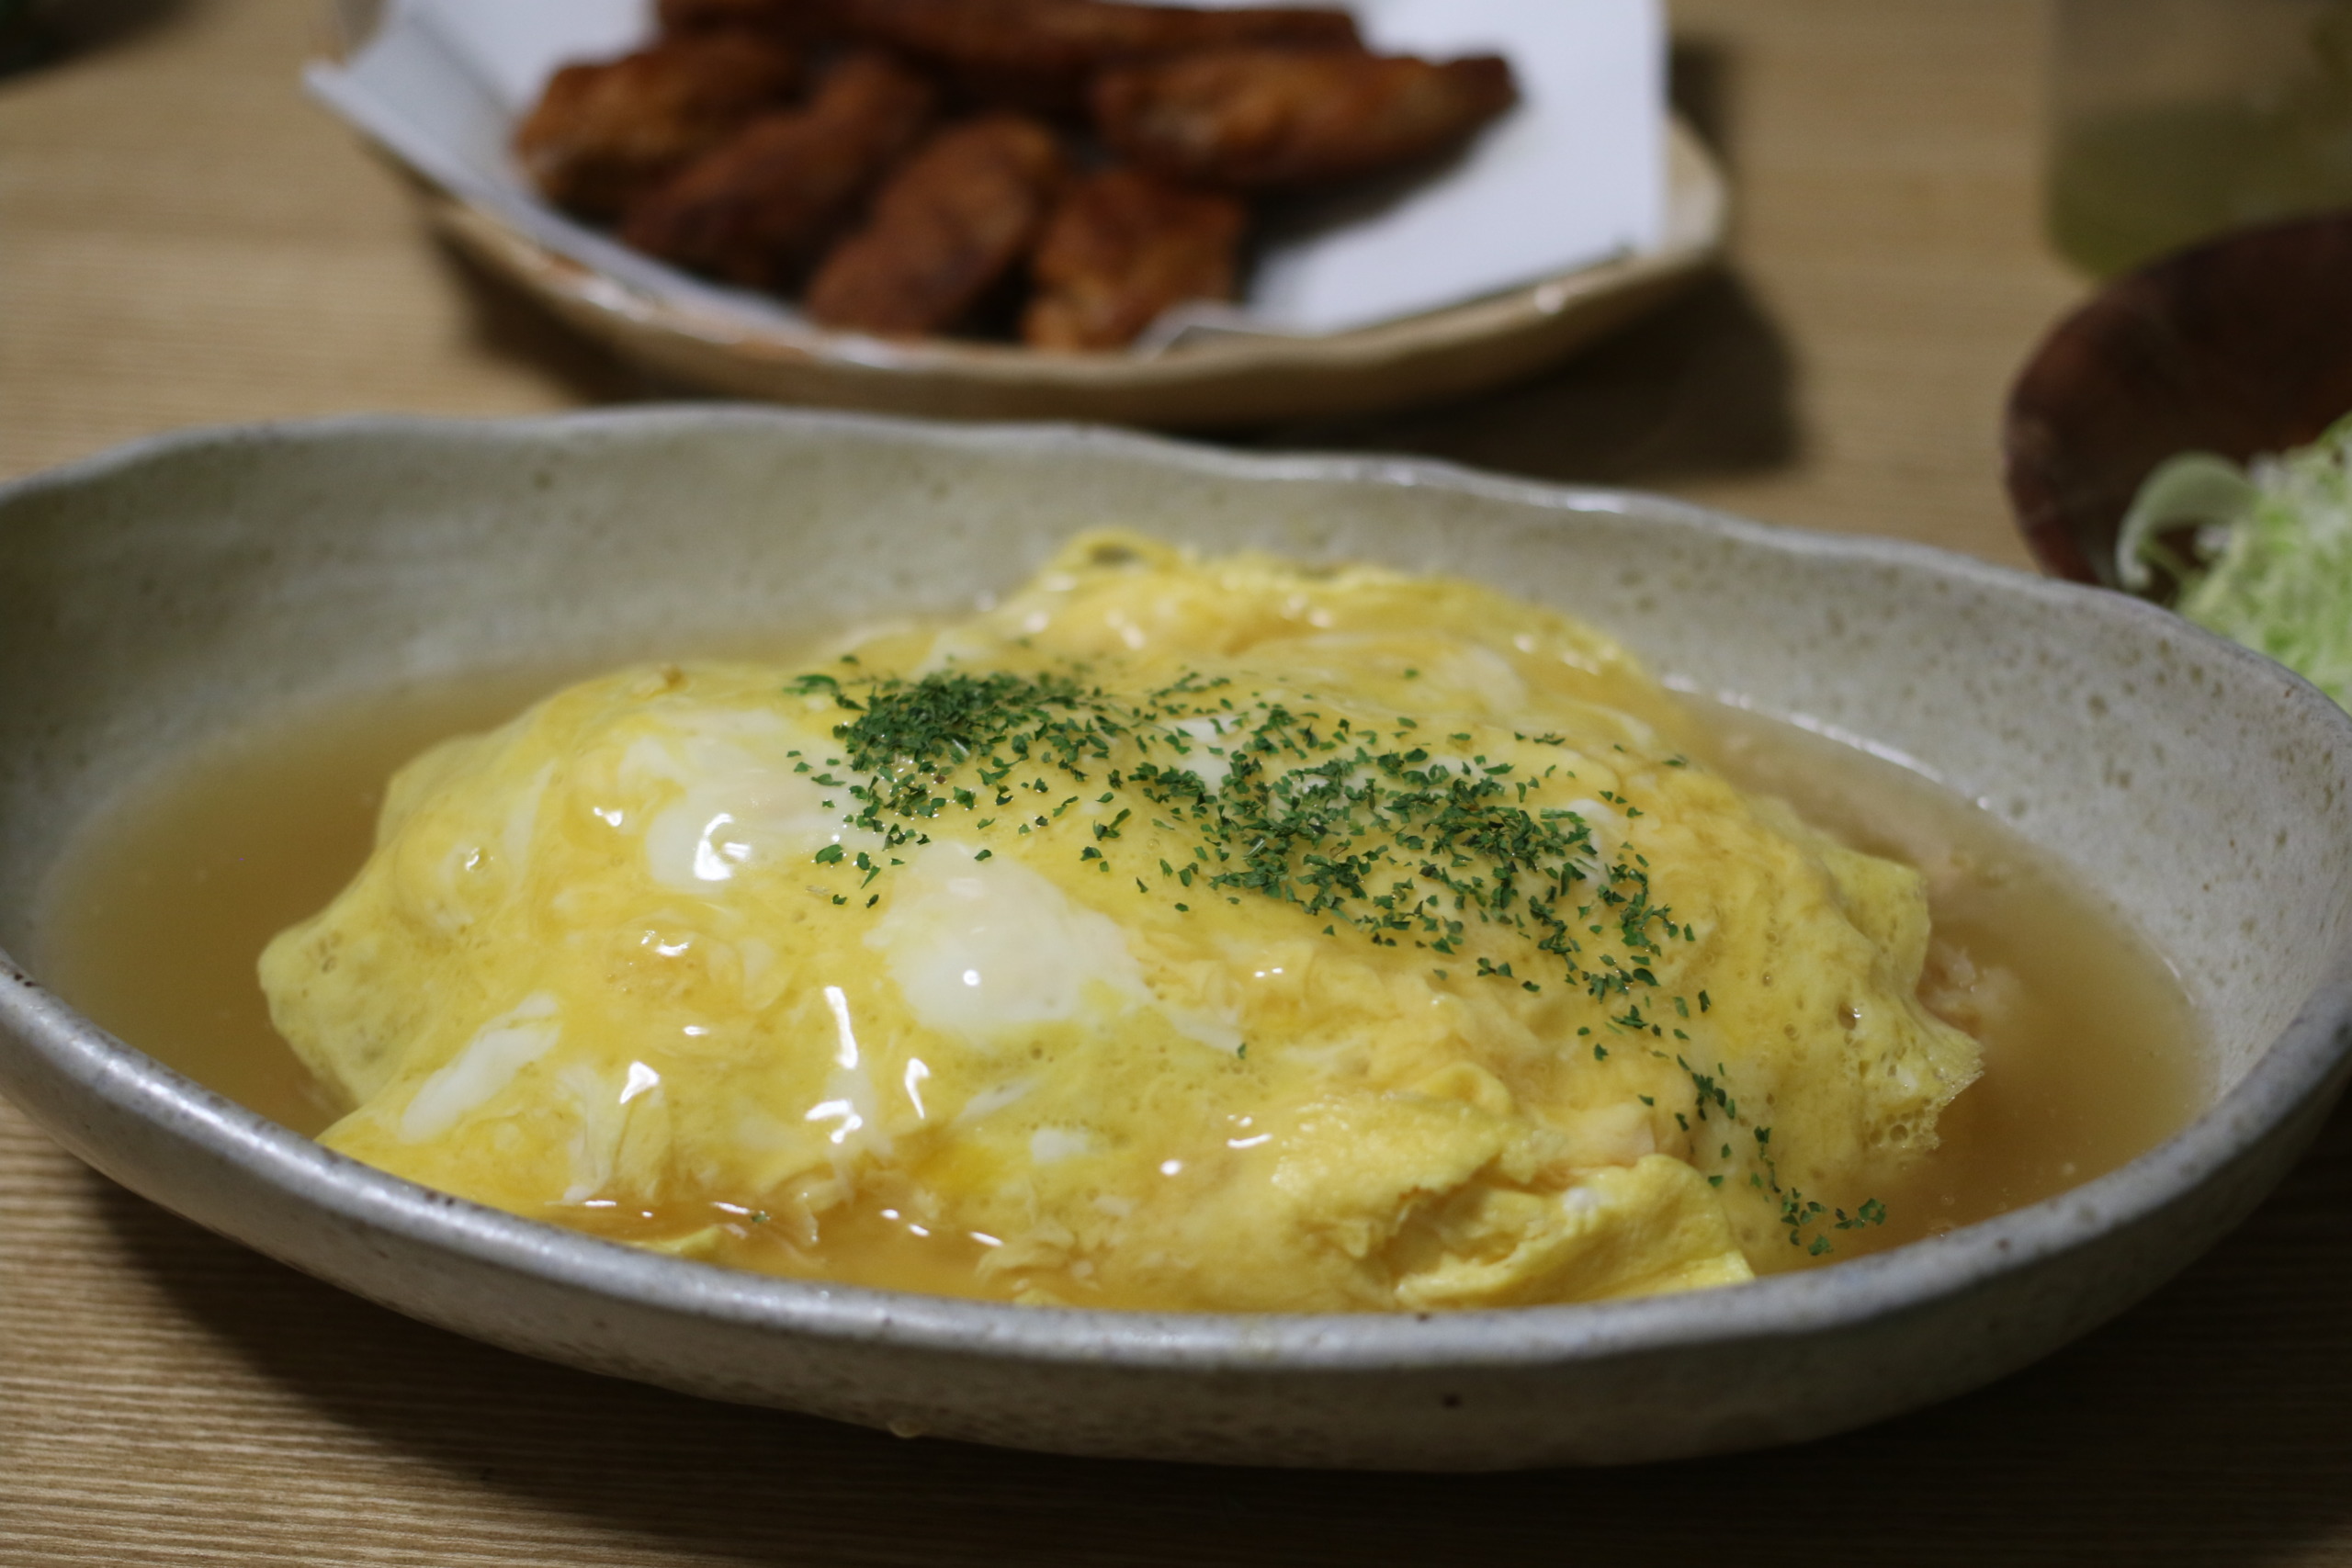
1218 934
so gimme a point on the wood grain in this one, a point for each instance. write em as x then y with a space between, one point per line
183 239
167 1396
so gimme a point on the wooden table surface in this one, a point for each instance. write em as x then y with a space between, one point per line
184 240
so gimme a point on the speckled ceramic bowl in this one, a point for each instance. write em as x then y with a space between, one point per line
156 594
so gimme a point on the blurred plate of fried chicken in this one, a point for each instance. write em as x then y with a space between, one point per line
1180 215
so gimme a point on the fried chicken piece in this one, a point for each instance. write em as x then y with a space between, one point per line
953 221
1123 247
799 21
1040 53
759 206
1262 118
603 133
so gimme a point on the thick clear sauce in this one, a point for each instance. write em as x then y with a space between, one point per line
2096 1060
158 911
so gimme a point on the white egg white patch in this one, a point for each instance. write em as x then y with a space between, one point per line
500 1049
747 797
984 949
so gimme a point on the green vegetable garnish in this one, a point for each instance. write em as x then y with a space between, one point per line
2274 543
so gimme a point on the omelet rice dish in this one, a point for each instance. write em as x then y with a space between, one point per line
1219 934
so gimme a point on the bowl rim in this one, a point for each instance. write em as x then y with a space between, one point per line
2298 1064
2147 294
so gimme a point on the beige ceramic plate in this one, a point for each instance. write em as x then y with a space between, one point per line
152 597
1214 382
1222 381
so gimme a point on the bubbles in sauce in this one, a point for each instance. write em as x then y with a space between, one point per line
158 910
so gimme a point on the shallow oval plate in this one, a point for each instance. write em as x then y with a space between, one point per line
186 585
1219 381
1203 379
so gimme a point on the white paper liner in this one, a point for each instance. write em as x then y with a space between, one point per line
1573 176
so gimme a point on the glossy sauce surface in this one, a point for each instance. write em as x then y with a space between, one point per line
2096 1063
159 910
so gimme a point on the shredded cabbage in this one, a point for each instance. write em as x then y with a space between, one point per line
2274 548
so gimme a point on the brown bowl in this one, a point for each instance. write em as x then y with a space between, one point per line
2240 345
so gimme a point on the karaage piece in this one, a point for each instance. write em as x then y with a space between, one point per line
1041 54
800 21
1123 247
757 209
602 133
951 223
1257 118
